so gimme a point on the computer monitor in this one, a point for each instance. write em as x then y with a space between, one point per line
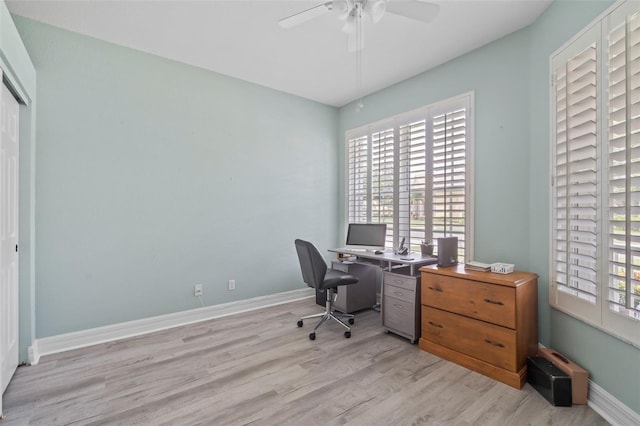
367 235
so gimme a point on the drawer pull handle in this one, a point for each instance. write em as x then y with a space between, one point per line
500 345
494 302
398 306
434 324
399 293
435 289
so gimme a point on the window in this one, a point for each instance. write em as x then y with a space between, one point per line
413 172
595 268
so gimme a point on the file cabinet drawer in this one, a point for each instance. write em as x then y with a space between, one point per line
399 293
397 280
488 302
487 342
399 314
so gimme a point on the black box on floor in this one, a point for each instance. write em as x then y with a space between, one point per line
549 381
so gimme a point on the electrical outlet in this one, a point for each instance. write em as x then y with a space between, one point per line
232 285
197 290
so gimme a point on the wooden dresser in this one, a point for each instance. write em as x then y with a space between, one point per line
481 320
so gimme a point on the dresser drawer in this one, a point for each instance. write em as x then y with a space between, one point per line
399 315
488 302
403 281
487 342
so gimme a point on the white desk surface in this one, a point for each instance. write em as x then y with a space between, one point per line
411 258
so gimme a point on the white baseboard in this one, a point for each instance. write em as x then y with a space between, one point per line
610 408
94 336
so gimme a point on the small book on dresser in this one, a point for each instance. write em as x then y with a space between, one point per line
477 266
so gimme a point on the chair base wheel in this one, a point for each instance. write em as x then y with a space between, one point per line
347 334
351 321
312 336
300 323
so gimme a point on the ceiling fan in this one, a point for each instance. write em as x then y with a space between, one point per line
351 11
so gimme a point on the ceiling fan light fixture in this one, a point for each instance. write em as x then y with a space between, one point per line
376 9
342 8
349 26
353 11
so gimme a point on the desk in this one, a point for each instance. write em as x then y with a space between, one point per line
388 260
400 290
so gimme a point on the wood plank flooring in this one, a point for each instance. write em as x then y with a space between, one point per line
259 368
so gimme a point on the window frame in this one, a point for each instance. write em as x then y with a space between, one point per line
598 314
427 112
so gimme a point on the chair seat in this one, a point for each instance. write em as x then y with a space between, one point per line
335 278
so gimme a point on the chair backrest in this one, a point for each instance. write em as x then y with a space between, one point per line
312 264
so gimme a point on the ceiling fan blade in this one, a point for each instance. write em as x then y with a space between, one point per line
305 15
414 9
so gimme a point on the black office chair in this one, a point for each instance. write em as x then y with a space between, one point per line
316 274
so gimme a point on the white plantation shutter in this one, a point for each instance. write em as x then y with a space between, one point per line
382 181
449 177
576 212
412 182
418 175
595 244
358 180
623 125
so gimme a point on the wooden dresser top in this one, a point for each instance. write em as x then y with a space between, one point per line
513 279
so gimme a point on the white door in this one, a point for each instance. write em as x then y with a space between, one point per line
8 237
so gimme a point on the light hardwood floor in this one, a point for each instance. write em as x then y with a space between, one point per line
259 368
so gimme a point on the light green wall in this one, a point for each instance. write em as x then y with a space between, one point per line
510 78
154 176
19 74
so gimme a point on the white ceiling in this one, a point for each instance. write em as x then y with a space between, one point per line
242 39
